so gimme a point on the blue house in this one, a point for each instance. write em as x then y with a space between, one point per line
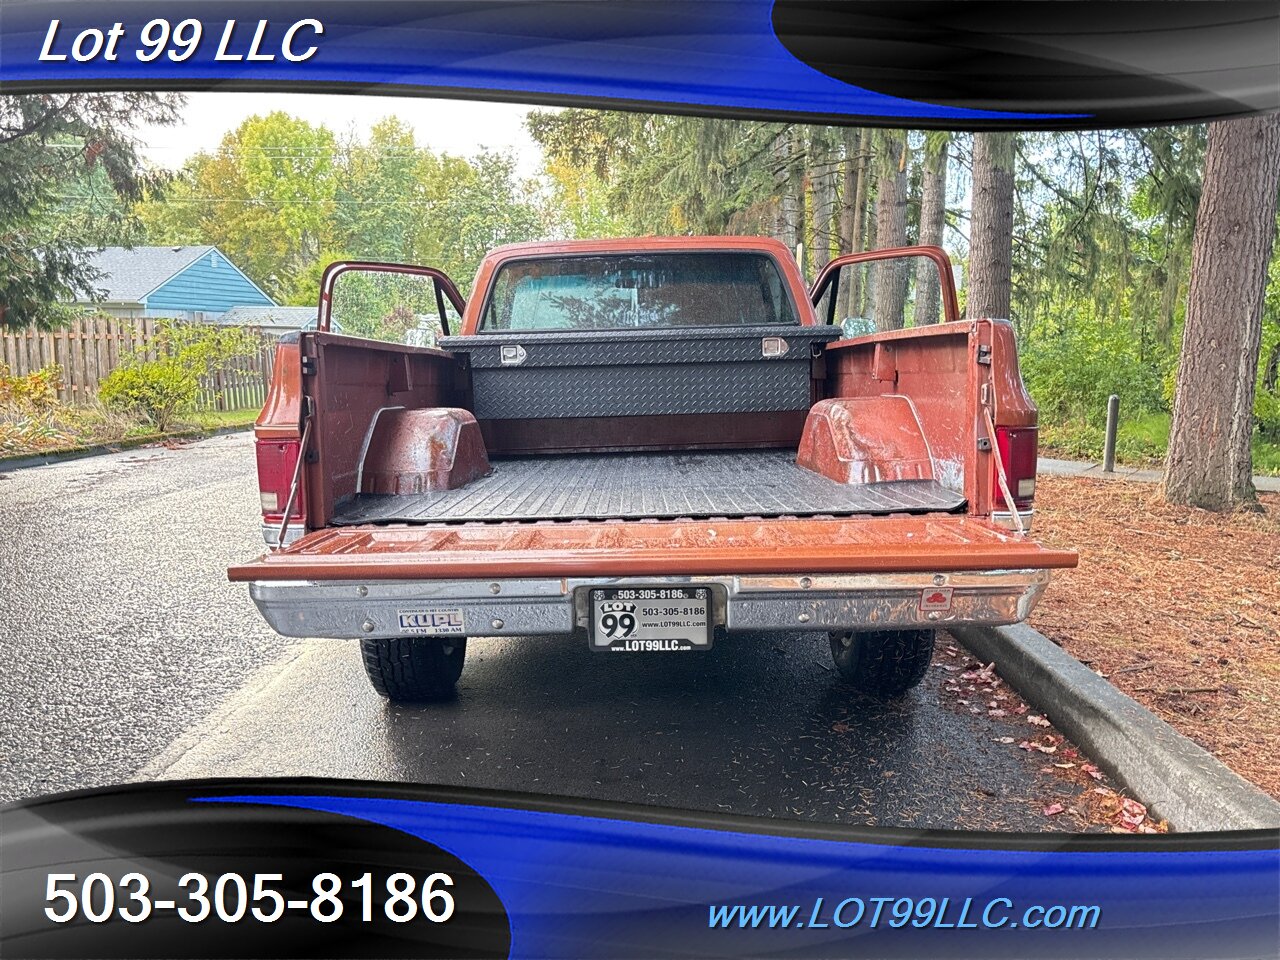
186 283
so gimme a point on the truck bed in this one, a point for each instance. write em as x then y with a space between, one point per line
640 486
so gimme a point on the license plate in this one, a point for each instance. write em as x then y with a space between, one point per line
650 619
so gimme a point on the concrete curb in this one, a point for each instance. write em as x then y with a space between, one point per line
133 443
1177 780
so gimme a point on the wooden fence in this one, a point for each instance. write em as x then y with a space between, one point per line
242 384
91 347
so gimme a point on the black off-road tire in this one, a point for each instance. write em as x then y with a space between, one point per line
883 663
414 669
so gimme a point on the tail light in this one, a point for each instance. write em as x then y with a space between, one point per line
1019 449
277 460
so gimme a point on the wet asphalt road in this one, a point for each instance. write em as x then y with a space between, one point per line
128 655
118 628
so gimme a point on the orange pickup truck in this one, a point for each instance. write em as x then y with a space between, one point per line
652 443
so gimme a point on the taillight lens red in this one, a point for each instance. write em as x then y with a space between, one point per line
276 462
1019 449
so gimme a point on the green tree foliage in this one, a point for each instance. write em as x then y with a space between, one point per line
474 205
282 198
70 171
579 202
382 192
813 187
265 197
1101 266
1105 224
385 306
1266 404
1102 228
663 174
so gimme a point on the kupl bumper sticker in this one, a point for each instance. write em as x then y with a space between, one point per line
432 623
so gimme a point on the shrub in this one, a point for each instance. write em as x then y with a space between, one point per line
165 388
1072 373
159 390
28 404
32 391
1141 440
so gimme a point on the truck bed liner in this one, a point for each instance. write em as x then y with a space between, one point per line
747 483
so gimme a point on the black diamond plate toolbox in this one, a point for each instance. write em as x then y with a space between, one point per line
621 373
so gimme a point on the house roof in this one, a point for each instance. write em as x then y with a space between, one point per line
128 275
290 318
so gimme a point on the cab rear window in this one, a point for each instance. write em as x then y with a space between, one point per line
638 291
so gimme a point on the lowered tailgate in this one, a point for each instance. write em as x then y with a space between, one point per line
682 548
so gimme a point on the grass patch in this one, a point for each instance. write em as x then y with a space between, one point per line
60 428
221 419
1141 441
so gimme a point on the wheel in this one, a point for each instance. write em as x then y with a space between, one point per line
414 669
883 663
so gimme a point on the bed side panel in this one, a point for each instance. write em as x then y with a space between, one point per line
932 366
349 380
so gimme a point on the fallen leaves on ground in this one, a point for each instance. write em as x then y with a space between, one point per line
1042 747
1125 814
978 689
1179 608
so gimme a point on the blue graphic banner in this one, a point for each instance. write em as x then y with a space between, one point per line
345 869
585 886
1001 64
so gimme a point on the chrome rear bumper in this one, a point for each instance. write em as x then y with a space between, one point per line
390 608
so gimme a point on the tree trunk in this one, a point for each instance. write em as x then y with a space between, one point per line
858 145
787 185
891 231
825 213
787 227
991 227
1210 464
933 220
848 189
